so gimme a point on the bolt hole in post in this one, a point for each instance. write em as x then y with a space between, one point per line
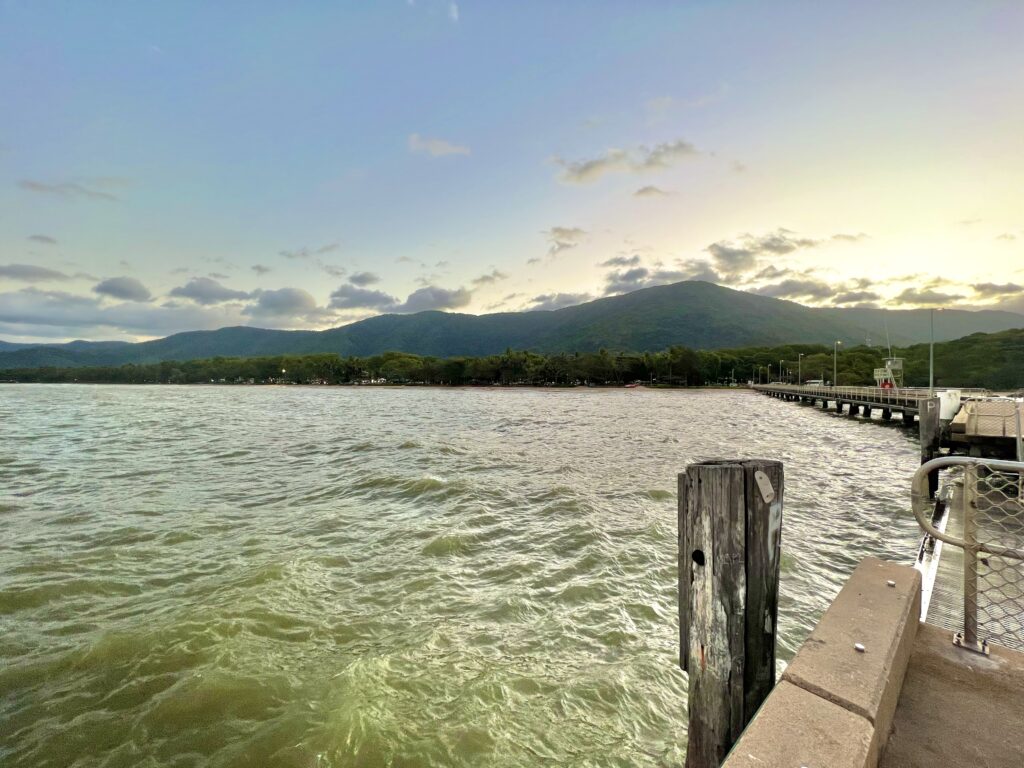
698 557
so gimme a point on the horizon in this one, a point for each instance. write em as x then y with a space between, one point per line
167 170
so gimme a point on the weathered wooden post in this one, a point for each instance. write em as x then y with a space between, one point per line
730 525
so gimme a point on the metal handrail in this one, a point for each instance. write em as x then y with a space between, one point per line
973 548
922 502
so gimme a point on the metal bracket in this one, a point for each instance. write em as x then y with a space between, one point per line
764 485
979 647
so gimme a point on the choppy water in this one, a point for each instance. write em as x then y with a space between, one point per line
202 576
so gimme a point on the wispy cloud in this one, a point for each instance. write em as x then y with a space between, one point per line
364 278
45 239
259 269
553 301
30 273
435 147
306 252
641 159
564 238
621 261
651 191
491 277
65 189
453 12
925 298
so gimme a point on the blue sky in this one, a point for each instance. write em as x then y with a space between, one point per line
172 166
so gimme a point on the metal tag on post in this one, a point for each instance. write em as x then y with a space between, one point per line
764 485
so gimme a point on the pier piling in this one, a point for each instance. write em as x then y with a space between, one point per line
730 522
931 437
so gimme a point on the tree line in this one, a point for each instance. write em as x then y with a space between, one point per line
983 360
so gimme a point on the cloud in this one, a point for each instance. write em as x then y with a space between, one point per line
45 239
925 297
795 289
993 290
731 258
331 269
621 261
435 147
29 273
491 277
630 280
66 189
553 301
1007 236
431 297
364 278
259 269
641 159
352 297
651 191
700 269
856 297
850 238
305 252
32 312
735 257
284 304
453 12
205 291
126 288
564 238
771 272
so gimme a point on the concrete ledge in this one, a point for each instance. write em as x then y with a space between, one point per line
884 620
835 704
795 728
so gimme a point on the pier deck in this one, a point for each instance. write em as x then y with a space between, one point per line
904 400
957 707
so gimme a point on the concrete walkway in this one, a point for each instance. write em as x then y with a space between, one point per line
957 707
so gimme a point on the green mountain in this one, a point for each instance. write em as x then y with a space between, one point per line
694 314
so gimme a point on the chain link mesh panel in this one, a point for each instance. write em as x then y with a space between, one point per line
993 517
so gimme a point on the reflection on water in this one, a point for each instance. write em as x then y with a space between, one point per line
386 577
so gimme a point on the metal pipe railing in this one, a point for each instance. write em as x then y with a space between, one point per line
992 509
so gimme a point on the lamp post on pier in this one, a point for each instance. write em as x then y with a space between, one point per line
782 373
835 363
931 352
799 369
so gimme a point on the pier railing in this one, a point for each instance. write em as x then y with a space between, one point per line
982 515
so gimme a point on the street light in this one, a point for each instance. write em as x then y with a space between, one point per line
931 353
835 365
769 373
782 374
799 369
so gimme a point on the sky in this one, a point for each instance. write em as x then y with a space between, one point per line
186 165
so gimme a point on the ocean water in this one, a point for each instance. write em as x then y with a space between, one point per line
292 576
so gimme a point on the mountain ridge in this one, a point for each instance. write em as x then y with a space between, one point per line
690 313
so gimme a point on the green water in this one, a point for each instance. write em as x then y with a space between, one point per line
228 576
